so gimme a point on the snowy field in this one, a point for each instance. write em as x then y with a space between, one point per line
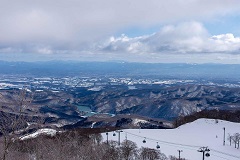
188 138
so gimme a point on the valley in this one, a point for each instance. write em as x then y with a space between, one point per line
71 102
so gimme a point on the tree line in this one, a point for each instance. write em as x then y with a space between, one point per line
228 115
77 145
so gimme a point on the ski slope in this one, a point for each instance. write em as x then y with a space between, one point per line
188 138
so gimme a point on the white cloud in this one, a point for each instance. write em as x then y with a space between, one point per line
185 38
70 28
59 20
44 50
225 43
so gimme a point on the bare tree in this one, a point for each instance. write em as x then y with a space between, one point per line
151 154
128 150
175 158
97 138
13 119
236 138
112 151
230 139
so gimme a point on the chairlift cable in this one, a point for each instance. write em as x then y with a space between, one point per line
219 157
179 144
225 153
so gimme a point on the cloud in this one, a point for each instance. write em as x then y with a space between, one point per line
77 29
57 21
184 38
225 43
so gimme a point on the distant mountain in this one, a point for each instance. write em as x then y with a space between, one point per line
73 68
166 103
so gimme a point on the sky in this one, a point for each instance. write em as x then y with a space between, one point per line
152 31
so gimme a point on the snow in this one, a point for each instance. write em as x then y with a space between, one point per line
132 87
55 91
189 138
93 124
28 90
5 85
96 89
45 131
139 121
39 90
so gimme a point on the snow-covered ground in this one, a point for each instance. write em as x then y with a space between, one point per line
45 131
189 138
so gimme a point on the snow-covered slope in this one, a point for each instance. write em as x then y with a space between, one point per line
189 138
44 131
